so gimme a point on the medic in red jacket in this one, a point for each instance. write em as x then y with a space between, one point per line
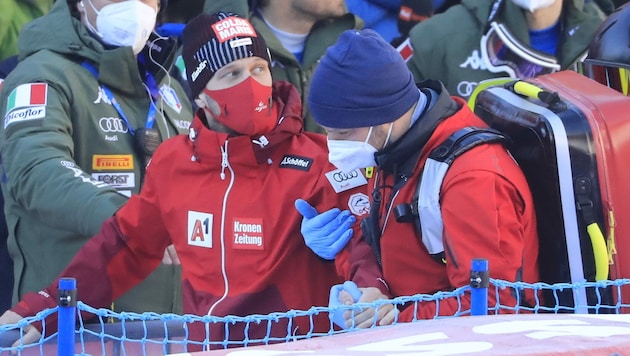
486 207
377 116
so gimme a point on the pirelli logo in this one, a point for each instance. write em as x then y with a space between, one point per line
112 162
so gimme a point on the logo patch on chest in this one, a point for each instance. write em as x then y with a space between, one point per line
248 234
296 162
342 181
200 229
359 204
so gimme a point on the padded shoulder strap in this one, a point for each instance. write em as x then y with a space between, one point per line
427 196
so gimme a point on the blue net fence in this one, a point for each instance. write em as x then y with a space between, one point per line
110 333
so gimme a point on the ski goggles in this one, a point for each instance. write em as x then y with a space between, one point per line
503 53
608 74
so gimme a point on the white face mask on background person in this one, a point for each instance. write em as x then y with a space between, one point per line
127 23
349 155
533 5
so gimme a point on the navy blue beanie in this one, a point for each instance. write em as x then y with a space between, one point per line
361 81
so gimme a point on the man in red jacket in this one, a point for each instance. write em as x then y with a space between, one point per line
223 196
375 115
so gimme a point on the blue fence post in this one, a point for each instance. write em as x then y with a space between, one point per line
479 277
67 316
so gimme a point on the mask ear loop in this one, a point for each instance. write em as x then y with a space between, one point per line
389 134
87 18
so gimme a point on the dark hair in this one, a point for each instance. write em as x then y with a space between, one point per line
72 5
259 4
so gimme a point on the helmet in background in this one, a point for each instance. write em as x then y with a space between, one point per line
608 59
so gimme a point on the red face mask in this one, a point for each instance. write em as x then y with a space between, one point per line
246 107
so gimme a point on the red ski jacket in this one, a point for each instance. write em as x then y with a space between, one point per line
487 212
227 205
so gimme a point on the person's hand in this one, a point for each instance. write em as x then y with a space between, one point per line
364 318
326 233
351 294
170 256
31 334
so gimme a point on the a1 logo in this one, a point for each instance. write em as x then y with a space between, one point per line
200 229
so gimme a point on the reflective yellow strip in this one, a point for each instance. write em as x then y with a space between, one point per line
369 172
600 252
612 248
111 320
624 75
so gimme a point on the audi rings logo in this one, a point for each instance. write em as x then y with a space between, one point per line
465 88
112 124
343 176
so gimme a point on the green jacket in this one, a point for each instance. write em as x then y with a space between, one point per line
446 47
68 159
284 64
14 15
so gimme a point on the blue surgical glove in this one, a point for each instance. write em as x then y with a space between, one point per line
333 301
326 233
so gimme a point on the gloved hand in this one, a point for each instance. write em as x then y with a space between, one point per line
337 315
326 233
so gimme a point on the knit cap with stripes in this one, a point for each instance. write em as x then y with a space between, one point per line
213 41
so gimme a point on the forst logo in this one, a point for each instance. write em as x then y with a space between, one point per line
117 180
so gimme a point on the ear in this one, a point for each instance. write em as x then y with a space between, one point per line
200 103
80 7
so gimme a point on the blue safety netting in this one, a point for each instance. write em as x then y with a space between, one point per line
111 333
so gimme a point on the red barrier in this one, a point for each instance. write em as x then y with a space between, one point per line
541 334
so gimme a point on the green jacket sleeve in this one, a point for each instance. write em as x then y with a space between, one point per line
41 176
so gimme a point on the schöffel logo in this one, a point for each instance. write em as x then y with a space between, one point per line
296 162
198 70
112 162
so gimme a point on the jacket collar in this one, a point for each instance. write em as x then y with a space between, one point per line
401 157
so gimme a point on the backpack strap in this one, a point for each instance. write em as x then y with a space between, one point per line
424 210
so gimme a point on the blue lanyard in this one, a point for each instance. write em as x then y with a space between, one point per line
152 88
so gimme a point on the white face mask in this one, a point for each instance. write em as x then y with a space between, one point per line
349 155
127 23
533 5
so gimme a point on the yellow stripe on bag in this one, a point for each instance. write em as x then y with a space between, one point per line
600 252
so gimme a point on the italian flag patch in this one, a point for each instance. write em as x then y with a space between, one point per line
26 102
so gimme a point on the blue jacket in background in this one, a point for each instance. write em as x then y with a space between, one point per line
379 15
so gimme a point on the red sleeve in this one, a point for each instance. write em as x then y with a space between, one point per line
94 286
483 216
356 262
110 263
